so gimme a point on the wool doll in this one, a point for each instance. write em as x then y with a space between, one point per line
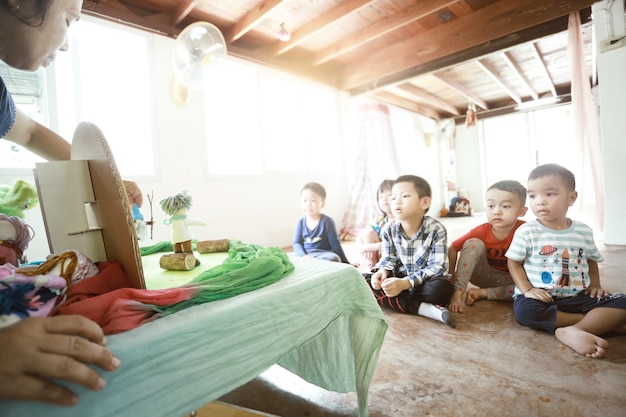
15 235
18 197
177 206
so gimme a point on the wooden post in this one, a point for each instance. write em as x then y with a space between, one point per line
210 246
178 261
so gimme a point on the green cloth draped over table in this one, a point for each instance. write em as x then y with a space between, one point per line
107 299
248 267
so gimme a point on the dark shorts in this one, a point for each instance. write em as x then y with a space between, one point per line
436 290
542 316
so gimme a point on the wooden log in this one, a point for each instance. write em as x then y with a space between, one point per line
210 246
178 261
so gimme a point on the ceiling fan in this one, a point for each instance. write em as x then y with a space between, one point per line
198 51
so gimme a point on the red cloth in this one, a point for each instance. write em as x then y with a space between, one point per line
107 299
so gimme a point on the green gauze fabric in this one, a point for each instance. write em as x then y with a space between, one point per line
163 246
248 267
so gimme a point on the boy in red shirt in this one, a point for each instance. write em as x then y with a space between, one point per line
478 256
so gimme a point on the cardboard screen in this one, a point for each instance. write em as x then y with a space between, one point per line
85 207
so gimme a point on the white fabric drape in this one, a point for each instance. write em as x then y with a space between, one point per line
375 161
590 182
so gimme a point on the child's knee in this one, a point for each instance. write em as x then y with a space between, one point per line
474 245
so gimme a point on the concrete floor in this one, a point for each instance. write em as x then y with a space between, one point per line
488 366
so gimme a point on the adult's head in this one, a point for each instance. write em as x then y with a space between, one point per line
32 31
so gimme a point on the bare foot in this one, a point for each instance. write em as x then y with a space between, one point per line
475 294
581 341
456 301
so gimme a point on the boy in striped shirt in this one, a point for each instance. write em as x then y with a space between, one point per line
554 263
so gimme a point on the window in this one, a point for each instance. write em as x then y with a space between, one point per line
508 151
515 144
104 78
233 124
261 121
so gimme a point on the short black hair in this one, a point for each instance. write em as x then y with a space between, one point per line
385 185
316 188
421 185
554 170
511 186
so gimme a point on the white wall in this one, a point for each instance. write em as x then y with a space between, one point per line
612 90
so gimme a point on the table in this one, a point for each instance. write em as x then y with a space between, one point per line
321 322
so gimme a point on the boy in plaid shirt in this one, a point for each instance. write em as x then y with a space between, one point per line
411 274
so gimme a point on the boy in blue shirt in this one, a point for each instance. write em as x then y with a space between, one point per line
316 234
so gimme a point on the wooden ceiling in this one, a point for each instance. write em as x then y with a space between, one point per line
432 57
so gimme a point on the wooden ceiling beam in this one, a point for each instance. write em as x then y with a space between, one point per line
381 28
115 11
314 26
182 10
514 66
252 18
430 98
544 68
484 25
490 71
404 103
470 96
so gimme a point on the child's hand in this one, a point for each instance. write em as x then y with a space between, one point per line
596 292
378 277
539 294
371 257
394 286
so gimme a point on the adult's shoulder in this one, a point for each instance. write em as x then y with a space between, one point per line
7 109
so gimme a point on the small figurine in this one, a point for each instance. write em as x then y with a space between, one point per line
18 197
177 206
15 235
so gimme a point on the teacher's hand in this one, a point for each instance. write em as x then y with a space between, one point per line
34 351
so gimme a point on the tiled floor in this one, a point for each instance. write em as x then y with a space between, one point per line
488 366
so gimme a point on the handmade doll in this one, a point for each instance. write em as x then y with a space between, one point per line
17 198
15 235
34 290
177 206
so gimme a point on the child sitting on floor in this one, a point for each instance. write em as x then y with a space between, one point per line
411 274
369 241
316 234
477 257
554 263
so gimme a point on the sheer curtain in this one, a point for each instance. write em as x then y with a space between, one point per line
590 182
375 161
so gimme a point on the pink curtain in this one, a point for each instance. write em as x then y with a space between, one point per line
375 161
589 176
